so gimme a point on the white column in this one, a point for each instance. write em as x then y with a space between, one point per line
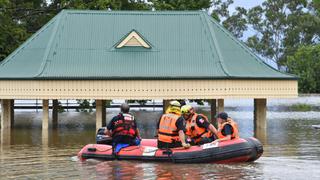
220 105
6 121
55 106
45 114
165 105
213 103
100 114
6 114
260 119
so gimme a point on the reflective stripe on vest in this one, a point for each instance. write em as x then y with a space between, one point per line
194 131
124 126
168 131
235 131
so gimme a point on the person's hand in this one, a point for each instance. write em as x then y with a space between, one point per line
186 145
215 141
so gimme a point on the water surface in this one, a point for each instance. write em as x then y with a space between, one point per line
292 148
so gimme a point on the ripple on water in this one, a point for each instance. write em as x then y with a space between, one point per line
292 151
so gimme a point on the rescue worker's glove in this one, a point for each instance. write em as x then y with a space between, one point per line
186 145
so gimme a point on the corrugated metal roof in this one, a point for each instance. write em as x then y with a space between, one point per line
184 45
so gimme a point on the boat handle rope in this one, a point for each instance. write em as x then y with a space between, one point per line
97 149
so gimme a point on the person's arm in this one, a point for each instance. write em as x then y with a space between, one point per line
228 132
213 130
136 129
157 128
110 126
202 122
181 129
138 133
107 132
182 137
228 137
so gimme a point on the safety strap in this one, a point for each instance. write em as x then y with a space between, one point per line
198 136
167 134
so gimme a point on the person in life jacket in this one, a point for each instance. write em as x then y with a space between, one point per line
228 128
171 128
123 127
198 128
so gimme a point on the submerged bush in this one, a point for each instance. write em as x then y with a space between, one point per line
301 107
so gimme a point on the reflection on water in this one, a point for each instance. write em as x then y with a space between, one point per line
292 150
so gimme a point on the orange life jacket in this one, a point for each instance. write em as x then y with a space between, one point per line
168 131
194 131
124 126
235 131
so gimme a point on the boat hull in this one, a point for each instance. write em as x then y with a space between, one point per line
239 150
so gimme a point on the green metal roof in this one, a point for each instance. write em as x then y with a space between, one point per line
184 45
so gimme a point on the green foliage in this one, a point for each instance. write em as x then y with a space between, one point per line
84 106
101 4
181 4
316 4
20 19
306 64
237 23
198 101
107 103
60 107
281 27
300 107
141 102
220 9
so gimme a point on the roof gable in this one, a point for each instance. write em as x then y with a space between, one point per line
133 39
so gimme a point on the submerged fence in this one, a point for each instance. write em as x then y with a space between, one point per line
74 105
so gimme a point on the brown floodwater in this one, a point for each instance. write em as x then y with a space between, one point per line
292 149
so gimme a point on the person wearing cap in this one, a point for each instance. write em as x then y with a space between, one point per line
228 128
198 127
171 128
123 127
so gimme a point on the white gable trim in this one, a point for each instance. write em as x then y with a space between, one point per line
133 39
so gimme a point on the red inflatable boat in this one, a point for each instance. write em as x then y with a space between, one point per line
238 150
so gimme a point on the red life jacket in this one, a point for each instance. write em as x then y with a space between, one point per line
124 126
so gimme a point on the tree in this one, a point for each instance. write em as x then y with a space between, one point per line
306 64
181 4
101 4
316 4
18 21
220 9
281 27
237 22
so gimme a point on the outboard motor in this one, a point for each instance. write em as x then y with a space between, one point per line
101 138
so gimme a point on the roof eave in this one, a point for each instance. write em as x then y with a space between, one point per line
152 78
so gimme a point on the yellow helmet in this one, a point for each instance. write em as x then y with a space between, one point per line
174 107
175 103
186 109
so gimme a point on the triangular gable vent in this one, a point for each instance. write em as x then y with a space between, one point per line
133 39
